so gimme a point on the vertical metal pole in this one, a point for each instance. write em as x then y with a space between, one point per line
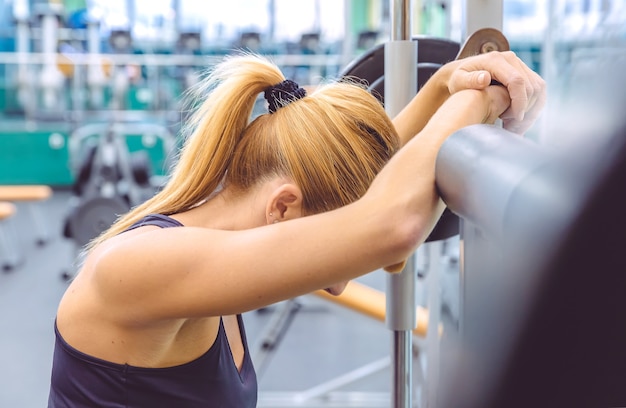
433 343
271 14
347 53
131 14
400 15
400 88
401 320
176 7
95 75
549 70
51 78
479 14
21 14
474 249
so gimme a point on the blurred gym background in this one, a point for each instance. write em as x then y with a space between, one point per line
91 96
67 65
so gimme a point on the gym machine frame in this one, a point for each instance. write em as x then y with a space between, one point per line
400 88
399 85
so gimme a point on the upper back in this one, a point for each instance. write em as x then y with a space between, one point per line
99 361
80 380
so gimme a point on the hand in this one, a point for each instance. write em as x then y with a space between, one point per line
498 102
527 90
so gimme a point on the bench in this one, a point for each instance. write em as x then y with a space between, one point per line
30 194
6 210
10 257
372 303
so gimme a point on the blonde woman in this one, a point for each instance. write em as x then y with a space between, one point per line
320 190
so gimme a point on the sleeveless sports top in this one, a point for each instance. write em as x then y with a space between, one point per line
212 380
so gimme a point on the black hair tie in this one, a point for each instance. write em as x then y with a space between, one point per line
283 93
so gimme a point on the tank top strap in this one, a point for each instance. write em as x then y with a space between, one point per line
159 220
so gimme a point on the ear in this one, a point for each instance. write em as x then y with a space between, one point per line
284 203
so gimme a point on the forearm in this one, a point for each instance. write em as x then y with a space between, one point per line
409 178
412 119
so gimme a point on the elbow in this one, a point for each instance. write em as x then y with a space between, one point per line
406 235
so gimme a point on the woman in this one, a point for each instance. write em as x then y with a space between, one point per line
258 212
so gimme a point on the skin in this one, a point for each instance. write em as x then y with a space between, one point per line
153 297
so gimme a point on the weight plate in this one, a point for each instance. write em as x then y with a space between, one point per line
94 216
432 53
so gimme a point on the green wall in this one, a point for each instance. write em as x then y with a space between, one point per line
42 156
38 157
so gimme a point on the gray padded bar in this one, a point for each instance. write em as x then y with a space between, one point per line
483 172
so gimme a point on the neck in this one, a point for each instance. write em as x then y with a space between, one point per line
231 209
225 210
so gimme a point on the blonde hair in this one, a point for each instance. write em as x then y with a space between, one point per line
331 143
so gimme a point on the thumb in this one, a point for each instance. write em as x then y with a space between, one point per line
470 80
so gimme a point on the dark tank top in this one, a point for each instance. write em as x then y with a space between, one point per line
212 380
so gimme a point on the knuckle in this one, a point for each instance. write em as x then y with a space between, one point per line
517 79
508 54
538 88
541 83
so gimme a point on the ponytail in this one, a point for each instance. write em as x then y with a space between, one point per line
213 132
331 143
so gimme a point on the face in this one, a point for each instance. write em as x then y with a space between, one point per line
337 289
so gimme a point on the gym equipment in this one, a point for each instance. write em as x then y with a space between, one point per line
542 321
432 54
558 268
51 79
109 178
25 96
401 55
96 72
400 59
483 41
372 303
10 256
94 216
32 196
6 210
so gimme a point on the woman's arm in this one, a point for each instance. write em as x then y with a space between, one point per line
527 90
193 272
470 107
412 119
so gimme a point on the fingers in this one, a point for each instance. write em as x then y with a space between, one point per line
525 87
521 126
512 74
523 84
499 102
462 79
528 99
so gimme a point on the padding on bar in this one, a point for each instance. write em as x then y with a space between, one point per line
25 193
483 170
371 302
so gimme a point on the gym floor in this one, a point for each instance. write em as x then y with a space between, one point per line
322 344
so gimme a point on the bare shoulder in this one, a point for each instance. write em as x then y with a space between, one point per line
191 272
144 274
151 251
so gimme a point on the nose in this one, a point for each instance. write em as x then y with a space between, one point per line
337 289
